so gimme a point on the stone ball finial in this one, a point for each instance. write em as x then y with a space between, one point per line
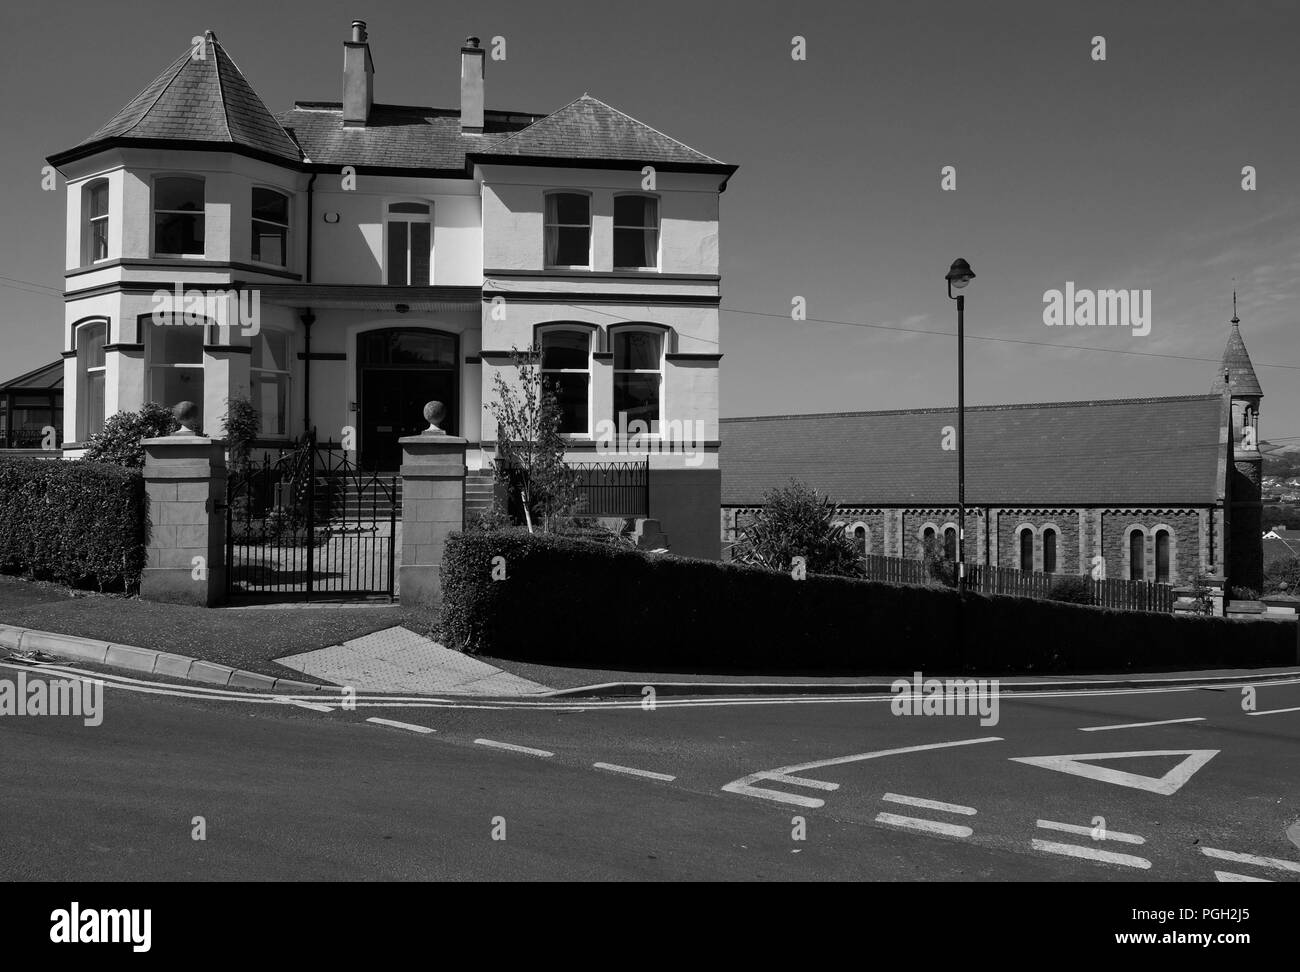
434 412
187 414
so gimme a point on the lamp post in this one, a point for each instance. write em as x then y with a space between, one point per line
958 276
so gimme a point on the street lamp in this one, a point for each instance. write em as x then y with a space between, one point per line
958 276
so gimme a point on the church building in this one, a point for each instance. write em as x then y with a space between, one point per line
1164 489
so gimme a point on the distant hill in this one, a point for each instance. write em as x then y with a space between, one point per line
1282 461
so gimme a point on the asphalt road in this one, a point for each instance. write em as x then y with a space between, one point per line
286 792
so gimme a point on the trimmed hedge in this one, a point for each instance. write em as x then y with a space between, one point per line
565 600
74 522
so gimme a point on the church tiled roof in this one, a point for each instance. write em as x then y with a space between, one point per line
1236 362
1138 451
200 99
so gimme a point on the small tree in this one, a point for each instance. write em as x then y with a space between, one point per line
939 567
796 521
118 442
240 425
530 447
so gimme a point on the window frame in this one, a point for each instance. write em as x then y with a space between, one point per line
658 230
589 335
84 371
1168 535
547 226
662 333
286 226
154 211
1136 571
1055 535
89 221
408 219
152 365
1021 533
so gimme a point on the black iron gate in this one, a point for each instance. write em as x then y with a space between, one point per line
308 523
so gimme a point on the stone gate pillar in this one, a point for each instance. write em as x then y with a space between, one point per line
185 489
433 501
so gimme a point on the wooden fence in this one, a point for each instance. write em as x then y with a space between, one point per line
1123 595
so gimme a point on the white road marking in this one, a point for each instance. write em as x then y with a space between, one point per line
1139 725
925 826
528 750
401 725
928 804
784 774
1229 878
1088 831
613 768
1166 785
1274 711
1255 859
314 706
1091 854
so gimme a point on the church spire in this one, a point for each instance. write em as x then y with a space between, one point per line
1235 371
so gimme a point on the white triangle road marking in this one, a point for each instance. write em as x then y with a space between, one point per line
1074 764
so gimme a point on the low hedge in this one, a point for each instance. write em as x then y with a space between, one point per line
77 523
565 600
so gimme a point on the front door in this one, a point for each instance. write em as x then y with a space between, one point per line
399 370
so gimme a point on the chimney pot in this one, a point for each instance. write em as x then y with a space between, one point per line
358 31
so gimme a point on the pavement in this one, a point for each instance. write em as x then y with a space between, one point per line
1128 785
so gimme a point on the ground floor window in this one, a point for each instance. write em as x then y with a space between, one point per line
176 365
269 381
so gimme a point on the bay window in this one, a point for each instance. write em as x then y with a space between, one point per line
178 216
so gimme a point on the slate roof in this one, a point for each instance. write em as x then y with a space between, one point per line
395 136
590 129
201 100
1137 451
1236 361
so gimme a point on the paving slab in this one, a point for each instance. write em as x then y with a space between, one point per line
399 660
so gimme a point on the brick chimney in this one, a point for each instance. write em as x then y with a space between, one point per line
358 78
471 86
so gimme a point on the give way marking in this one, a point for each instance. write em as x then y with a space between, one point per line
1193 760
784 774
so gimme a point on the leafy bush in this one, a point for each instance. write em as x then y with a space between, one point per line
1238 592
938 566
1283 575
240 425
118 442
78 523
1071 589
571 601
796 521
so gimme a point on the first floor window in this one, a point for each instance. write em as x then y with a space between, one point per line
410 244
1026 549
96 205
1136 555
636 232
269 378
178 216
568 229
638 376
1049 551
270 227
566 370
91 339
176 365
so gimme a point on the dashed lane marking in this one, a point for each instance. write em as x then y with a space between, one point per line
928 804
1091 854
1139 725
401 725
1255 859
1227 877
1089 832
784 774
314 706
527 750
925 826
614 768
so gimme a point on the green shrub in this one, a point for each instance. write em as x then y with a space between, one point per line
571 601
938 566
796 521
78 523
1283 574
1071 589
118 442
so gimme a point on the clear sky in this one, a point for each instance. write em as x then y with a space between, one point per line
1123 173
